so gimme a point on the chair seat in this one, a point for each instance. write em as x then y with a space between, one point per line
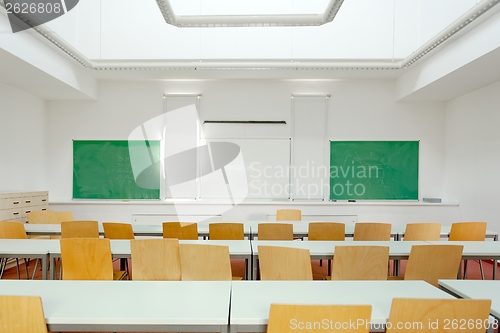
118 275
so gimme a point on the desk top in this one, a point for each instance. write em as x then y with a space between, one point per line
472 249
135 304
27 246
476 289
328 247
122 247
251 299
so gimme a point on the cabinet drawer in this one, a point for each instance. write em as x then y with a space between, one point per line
10 203
35 201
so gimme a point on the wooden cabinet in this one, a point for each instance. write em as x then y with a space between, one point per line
15 206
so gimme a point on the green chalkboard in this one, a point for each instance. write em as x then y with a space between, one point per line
374 170
106 170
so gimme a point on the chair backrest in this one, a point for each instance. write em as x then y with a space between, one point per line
113 230
275 231
180 230
467 231
284 263
368 231
58 217
433 262
226 231
205 262
40 216
285 318
288 215
21 314
360 263
86 259
329 231
155 259
12 230
422 232
79 229
439 315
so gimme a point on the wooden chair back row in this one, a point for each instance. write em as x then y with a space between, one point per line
288 215
166 259
49 217
12 230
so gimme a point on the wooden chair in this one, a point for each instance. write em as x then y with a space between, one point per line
432 262
57 218
205 262
14 230
87 259
156 259
284 263
180 230
368 231
422 232
326 231
114 230
468 231
445 315
226 231
285 318
360 263
21 314
40 217
288 215
79 229
275 231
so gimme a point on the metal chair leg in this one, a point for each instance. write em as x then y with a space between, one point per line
34 269
3 263
17 268
481 267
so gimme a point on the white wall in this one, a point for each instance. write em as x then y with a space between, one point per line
22 141
473 154
358 110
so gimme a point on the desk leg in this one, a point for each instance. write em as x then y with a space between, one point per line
52 268
495 268
254 268
44 267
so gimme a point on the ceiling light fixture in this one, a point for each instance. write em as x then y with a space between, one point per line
283 20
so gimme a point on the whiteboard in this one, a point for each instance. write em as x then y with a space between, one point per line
266 163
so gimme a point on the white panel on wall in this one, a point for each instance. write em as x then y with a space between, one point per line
181 135
361 29
246 43
23 134
138 31
309 139
267 163
437 15
406 27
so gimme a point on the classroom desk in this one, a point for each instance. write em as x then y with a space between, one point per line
129 306
154 230
477 250
326 249
29 248
250 300
238 249
475 289
300 229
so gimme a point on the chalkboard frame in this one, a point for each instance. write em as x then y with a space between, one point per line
88 191
399 181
